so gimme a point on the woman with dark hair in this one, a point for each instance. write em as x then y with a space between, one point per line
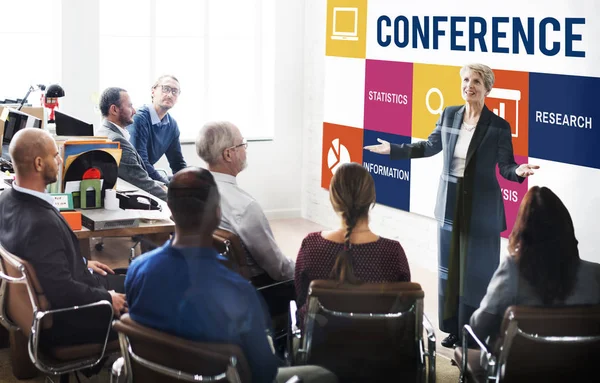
543 268
351 253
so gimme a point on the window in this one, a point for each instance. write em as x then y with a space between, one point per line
222 52
30 35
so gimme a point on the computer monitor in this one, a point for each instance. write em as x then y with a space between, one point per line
17 120
67 125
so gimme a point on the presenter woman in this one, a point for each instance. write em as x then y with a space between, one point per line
469 204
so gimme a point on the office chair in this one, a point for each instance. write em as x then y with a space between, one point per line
26 312
536 344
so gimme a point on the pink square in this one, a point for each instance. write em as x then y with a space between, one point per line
388 97
512 194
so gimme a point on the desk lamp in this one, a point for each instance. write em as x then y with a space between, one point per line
50 99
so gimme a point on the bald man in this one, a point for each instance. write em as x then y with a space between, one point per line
205 301
32 228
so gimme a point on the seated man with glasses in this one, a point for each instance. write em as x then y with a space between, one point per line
154 131
221 146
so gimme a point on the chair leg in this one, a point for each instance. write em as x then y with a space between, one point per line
22 367
64 378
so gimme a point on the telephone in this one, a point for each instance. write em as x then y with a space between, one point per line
137 201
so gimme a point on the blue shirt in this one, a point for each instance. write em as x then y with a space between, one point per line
188 293
153 137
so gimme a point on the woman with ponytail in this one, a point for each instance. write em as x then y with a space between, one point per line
352 253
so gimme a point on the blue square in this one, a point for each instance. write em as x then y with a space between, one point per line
561 111
392 178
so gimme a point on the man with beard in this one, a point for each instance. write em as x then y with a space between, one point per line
221 146
117 110
154 131
32 228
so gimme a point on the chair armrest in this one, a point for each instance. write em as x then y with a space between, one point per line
293 319
117 370
163 172
38 316
292 332
489 358
430 354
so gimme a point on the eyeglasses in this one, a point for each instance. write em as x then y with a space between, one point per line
244 144
174 91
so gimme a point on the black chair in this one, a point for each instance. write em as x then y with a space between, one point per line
536 344
365 333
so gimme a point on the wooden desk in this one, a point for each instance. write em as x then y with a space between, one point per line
144 228
155 230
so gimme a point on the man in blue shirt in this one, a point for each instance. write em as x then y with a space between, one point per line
154 131
182 288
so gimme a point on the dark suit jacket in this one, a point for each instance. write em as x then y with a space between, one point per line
34 230
131 167
491 145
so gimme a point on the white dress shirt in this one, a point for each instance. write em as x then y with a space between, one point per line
242 215
123 130
460 150
43 196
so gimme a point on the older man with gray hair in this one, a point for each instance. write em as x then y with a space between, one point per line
222 147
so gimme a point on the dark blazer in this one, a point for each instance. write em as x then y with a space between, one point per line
131 167
491 144
34 230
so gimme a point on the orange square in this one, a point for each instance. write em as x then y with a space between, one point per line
341 144
509 99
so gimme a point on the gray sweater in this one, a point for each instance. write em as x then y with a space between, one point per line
508 288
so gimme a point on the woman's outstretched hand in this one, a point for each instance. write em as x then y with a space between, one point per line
526 170
382 148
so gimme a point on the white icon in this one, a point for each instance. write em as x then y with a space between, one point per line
345 14
337 155
428 105
511 95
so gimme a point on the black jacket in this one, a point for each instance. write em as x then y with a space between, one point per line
35 231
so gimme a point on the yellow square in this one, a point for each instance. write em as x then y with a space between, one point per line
434 88
346 31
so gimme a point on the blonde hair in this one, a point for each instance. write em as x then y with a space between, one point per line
484 71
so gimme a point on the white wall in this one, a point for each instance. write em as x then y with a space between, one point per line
272 176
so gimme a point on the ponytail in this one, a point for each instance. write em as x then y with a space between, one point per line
343 270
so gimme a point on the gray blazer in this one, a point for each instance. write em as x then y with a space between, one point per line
131 168
508 288
491 144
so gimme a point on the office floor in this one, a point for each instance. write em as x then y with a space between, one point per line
289 234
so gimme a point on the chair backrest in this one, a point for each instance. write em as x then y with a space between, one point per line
230 246
170 352
364 332
549 343
23 293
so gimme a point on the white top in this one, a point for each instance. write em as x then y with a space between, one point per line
242 215
465 135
